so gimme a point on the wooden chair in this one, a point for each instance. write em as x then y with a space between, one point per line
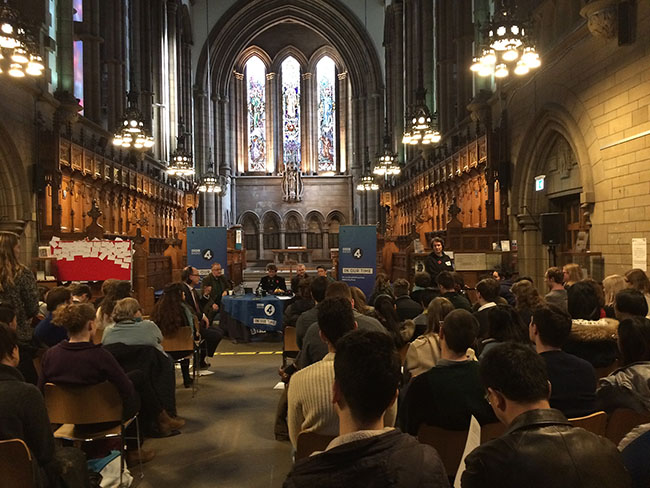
16 464
492 431
309 442
290 347
183 341
450 445
79 407
596 422
623 420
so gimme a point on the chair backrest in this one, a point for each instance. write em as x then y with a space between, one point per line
596 422
606 370
290 344
623 420
16 464
492 431
182 340
72 404
309 442
450 445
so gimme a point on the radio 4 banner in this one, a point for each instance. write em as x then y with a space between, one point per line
207 245
358 256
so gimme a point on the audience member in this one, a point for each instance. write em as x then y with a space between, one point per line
487 292
437 262
301 274
628 386
422 291
572 274
382 287
170 314
129 328
218 282
527 299
81 293
310 406
611 286
630 303
541 448
206 303
23 416
17 285
322 271
8 316
447 287
42 306
114 290
301 304
554 279
424 352
401 331
505 284
366 377
47 332
405 307
318 287
28 351
635 450
360 302
573 380
637 279
600 295
449 393
504 325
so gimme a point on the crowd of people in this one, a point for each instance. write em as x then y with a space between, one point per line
435 352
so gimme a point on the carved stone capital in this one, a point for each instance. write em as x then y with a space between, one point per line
526 222
602 18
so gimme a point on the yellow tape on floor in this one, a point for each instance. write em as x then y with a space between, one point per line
246 353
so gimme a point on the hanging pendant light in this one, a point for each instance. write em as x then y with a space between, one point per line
367 181
210 182
132 133
387 165
19 52
181 163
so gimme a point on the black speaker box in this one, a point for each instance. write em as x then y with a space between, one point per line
553 228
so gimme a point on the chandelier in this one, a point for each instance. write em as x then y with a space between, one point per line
210 182
507 44
421 127
181 163
387 164
132 133
367 183
19 54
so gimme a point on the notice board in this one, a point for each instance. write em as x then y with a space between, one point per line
92 260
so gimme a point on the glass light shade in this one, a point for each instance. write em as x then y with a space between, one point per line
406 138
531 58
16 70
501 71
19 55
489 57
510 54
476 65
521 68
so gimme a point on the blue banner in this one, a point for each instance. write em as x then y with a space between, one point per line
358 256
207 245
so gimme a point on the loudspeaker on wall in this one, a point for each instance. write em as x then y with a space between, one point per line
553 228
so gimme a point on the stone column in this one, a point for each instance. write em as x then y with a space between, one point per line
64 47
342 115
283 231
326 237
260 243
303 236
307 127
532 260
272 110
241 120
172 102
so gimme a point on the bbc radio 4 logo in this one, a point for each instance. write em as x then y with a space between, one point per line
357 252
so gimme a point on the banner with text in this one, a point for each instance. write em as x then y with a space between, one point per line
207 245
358 256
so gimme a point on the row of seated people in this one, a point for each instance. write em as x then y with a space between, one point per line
442 385
80 345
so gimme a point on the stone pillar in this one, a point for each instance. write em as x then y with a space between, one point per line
326 237
172 72
283 231
532 259
241 120
307 127
342 115
271 117
303 237
64 39
260 243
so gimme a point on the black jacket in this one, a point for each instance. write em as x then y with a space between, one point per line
407 308
434 265
269 285
541 449
387 460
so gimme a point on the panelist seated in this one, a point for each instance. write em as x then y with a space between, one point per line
272 283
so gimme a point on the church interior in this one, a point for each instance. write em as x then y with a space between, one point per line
515 132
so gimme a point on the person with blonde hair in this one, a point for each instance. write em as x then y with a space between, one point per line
611 286
17 285
637 279
572 274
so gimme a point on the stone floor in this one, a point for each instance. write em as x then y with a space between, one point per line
228 440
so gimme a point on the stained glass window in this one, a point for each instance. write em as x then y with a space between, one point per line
325 79
255 83
291 110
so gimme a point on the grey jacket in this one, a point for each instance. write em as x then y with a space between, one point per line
626 387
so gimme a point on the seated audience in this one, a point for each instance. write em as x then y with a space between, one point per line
310 391
366 377
272 283
23 416
572 274
170 314
46 332
611 286
554 280
401 332
635 449
527 299
592 338
129 328
322 271
504 325
8 316
78 361
382 287
207 303
301 274
422 291
360 302
451 392
42 306
630 303
447 287
540 448
505 284
573 380
80 293
628 386
301 304
424 352
113 290
637 279
405 307
318 287
487 293
28 351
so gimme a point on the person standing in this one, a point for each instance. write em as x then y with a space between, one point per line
437 262
554 279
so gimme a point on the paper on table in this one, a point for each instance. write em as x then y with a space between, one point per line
473 441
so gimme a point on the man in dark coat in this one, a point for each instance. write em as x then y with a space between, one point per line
437 262
272 282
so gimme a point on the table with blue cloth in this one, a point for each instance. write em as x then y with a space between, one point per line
244 315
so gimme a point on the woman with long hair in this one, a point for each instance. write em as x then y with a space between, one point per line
424 352
611 286
504 325
360 303
17 285
387 315
302 303
170 314
527 299
637 279
382 287
572 274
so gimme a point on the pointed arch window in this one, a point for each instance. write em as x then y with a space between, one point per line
326 97
256 93
291 144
